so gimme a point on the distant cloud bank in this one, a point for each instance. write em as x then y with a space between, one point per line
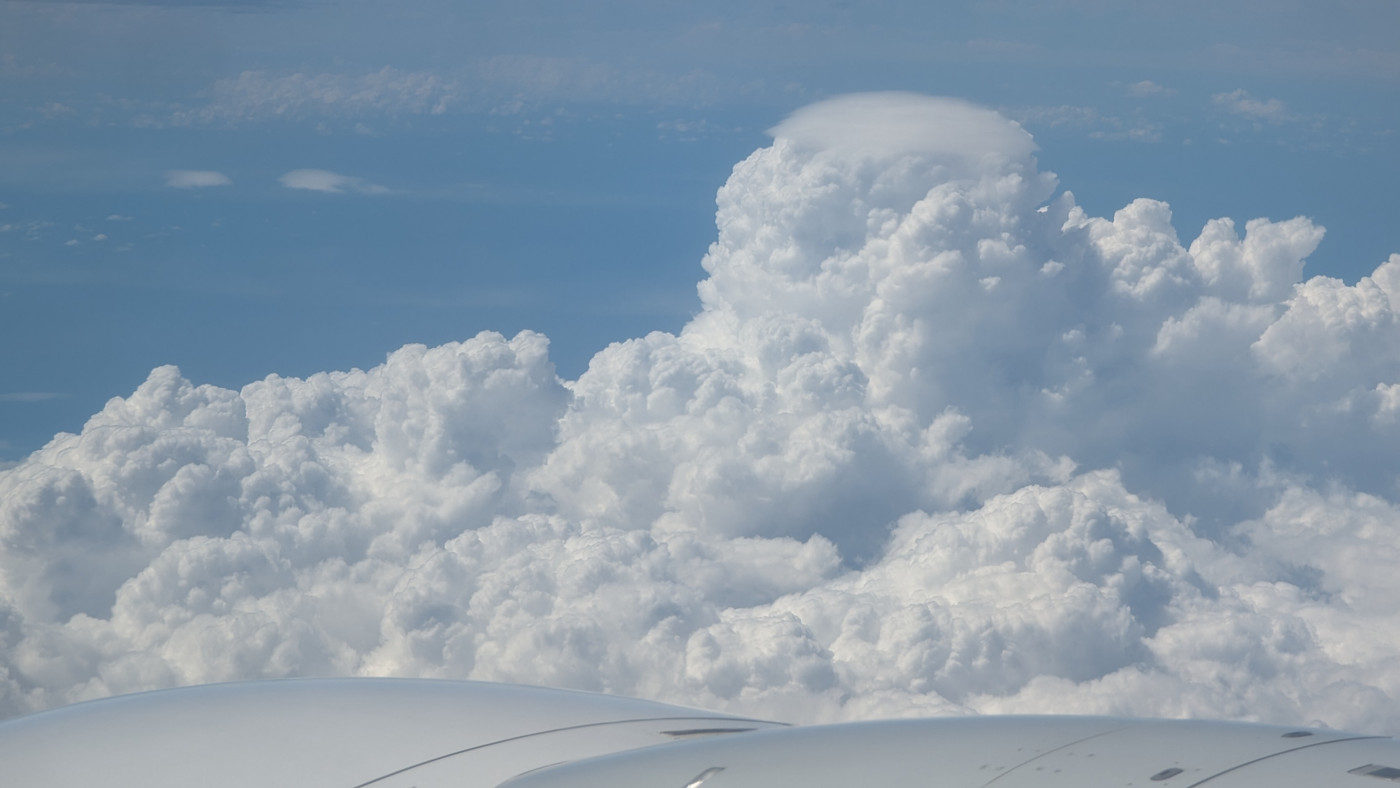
1240 102
937 441
30 396
330 182
195 179
1147 88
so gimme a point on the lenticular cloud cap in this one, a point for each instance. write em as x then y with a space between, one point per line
892 123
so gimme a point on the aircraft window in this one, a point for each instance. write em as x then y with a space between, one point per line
1297 734
1376 770
1166 774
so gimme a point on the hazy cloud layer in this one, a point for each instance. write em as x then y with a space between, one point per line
937 441
499 85
29 396
257 95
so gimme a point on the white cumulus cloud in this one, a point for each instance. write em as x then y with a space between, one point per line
937 441
330 182
1240 102
195 179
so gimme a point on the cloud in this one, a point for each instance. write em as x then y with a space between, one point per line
30 396
937 441
327 181
259 95
1147 88
1100 126
511 82
1239 102
894 122
497 85
195 179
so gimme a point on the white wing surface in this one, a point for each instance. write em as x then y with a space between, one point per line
333 732
403 733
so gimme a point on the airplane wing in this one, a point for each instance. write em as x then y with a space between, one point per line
999 752
337 733
402 733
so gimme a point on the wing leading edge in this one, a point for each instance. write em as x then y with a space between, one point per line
405 733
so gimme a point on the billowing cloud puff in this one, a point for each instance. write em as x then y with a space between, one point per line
195 179
330 182
938 441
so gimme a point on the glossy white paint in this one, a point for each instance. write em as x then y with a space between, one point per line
989 752
330 732
400 733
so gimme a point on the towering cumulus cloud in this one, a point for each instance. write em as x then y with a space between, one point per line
937 442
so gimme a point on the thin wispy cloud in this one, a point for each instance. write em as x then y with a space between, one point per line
499 85
30 396
261 96
1093 123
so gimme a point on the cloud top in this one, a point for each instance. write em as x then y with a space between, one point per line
892 123
195 179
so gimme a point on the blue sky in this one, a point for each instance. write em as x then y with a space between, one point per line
553 165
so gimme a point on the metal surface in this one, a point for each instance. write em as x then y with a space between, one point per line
398 733
332 732
990 752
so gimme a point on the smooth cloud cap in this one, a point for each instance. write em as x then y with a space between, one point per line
893 123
